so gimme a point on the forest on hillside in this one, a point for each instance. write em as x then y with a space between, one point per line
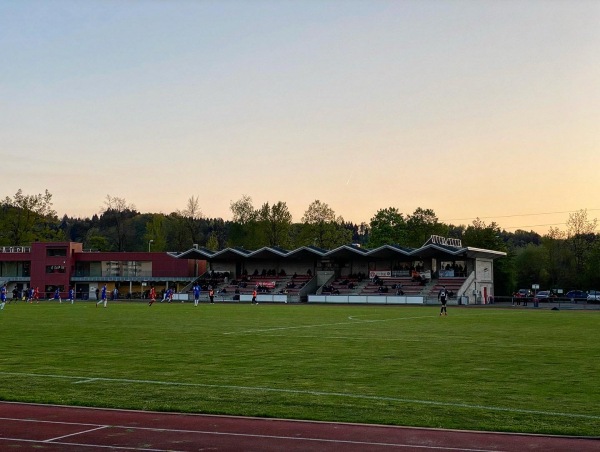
567 259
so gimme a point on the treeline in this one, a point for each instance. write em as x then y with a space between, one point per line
559 259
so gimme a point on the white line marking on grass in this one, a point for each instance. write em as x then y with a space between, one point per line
456 340
392 319
87 380
358 338
312 393
76 433
262 330
353 319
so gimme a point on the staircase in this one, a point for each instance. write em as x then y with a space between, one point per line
189 286
428 288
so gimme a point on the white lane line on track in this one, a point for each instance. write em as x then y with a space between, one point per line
313 393
38 421
232 434
75 434
83 445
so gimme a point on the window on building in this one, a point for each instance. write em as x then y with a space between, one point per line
59 252
26 269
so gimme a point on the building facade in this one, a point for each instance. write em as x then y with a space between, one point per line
65 265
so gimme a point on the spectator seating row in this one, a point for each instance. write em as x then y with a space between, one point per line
270 284
343 286
408 286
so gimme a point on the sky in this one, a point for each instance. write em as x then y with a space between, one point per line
485 108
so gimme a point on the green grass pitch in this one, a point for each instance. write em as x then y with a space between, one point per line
511 370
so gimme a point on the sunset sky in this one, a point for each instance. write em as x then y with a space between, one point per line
485 109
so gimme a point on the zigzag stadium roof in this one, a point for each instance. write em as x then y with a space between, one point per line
346 252
388 251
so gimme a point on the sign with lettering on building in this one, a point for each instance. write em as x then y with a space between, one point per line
380 273
445 241
15 249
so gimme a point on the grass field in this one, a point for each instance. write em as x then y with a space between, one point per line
479 368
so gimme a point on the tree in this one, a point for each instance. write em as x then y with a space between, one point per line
213 242
480 235
243 230
387 227
364 232
532 266
558 257
322 228
216 229
243 210
27 218
95 240
191 214
580 236
456 232
421 225
156 231
276 221
592 267
115 212
521 238
505 278
76 228
178 234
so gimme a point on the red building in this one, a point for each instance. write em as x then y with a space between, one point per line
63 265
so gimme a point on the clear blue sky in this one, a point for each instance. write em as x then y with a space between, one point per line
470 108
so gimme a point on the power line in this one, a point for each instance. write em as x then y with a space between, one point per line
531 226
520 215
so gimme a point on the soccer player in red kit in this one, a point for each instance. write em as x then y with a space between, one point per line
152 296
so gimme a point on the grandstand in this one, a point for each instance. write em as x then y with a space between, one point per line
390 272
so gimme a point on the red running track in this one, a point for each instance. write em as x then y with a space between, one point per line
25 427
